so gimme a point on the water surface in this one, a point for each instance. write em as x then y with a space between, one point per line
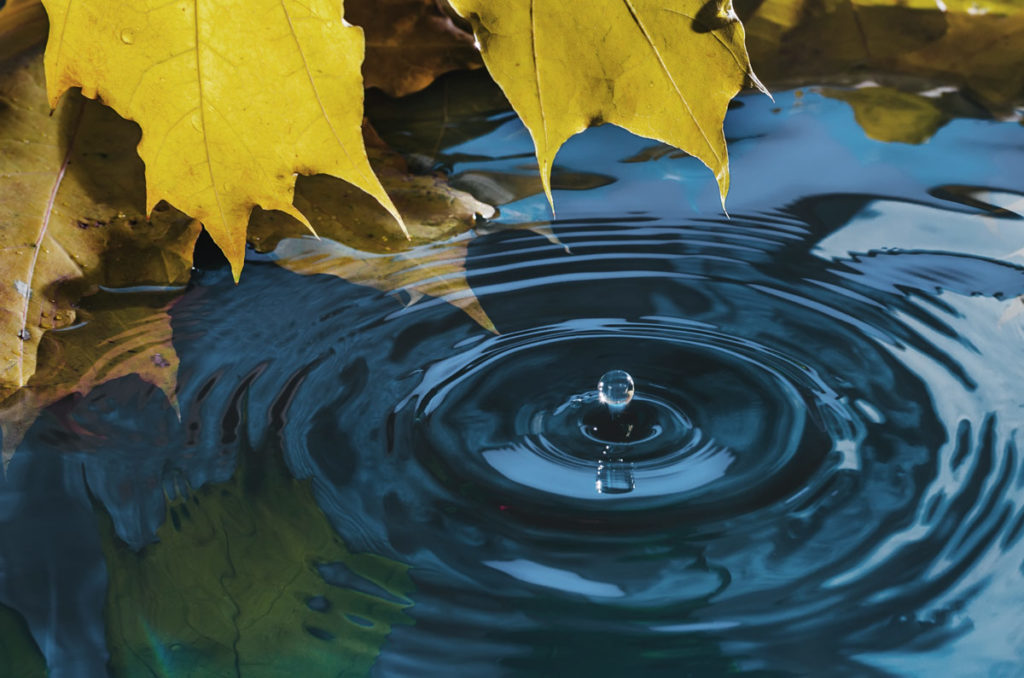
846 498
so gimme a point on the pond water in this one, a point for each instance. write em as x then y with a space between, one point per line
828 383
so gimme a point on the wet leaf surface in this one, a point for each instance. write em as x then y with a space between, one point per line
113 339
409 43
72 207
975 45
22 25
359 243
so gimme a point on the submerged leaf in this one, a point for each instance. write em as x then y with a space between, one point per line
887 114
983 51
111 340
664 70
71 206
233 98
974 44
500 188
409 43
233 587
19 654
355 244
458 108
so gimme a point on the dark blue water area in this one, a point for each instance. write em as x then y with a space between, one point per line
842 493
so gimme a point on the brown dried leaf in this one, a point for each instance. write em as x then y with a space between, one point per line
112 341
22 25
360 243
72 206
409 43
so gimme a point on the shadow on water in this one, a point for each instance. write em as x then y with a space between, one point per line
843 500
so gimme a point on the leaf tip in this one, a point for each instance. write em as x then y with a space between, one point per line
722 177
236 269
756 82
401 222
545 179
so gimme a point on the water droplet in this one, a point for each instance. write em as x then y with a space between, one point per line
127 36
24 334
616 389
614 477
197 123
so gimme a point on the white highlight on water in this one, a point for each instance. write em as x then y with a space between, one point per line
555 578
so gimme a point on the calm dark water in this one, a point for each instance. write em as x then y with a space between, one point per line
845 497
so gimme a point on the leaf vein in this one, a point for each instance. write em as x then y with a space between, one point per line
312 83
43 227
202 113
668 74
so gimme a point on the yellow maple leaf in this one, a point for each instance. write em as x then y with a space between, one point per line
662 69
233 98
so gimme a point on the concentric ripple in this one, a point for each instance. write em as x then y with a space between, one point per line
731 425
825 474
829 456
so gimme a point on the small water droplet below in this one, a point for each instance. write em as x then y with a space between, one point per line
197 124
127 36
614 477
24 334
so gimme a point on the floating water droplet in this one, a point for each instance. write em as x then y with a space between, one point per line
127 36
616 389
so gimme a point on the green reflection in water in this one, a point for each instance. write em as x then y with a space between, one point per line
19 654
233 587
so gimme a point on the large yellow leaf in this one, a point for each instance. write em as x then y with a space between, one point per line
664 69
355 243
71 215
233 98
